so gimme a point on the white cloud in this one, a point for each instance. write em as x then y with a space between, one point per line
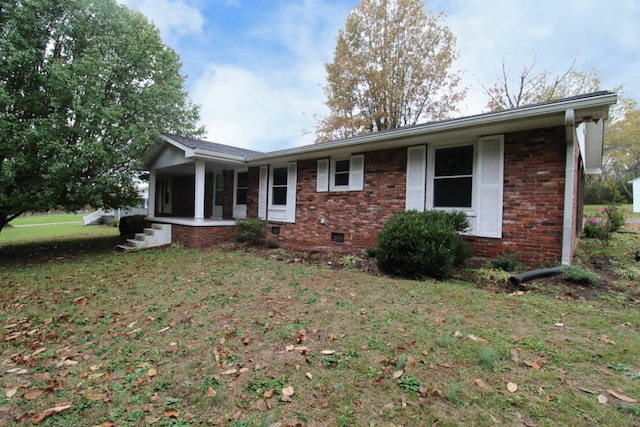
274 101
252 110
174 18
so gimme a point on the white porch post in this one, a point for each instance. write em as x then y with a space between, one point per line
199 191
151 198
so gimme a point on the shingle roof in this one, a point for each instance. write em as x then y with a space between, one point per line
212 146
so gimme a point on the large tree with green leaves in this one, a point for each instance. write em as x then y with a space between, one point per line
391 68
86 86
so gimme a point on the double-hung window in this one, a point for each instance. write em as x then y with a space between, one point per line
277 192
453 177
240 194
341 174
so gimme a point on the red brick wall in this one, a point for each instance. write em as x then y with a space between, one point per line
201 237
533 199
358 215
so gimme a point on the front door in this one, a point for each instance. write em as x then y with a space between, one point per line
218 195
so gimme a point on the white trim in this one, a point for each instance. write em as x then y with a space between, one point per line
198 207
416 177
356 173
322 176
489 181
431 167
567 221
263 191
286 212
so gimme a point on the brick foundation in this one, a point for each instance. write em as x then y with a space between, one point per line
201 237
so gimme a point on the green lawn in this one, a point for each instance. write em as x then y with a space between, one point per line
178 337
38 227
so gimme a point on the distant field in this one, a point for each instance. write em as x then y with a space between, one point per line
36 227
47 219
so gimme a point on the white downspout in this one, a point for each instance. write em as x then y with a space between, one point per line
567 223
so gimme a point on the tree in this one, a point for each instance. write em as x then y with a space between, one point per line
622 151
85 87
620 157
529 88
390 69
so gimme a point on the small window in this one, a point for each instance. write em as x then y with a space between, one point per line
337 237
341 174
241 188
279 187
453 177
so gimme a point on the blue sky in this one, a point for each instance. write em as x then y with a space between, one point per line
256 67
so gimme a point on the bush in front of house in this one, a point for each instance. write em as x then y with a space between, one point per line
130 225
252 231
423 244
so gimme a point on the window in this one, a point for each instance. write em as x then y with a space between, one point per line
341 174
240 184
241 188
453 177
279 187
277 192
465 177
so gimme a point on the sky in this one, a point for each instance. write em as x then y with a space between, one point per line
257 67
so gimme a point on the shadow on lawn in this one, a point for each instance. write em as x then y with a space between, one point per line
59 249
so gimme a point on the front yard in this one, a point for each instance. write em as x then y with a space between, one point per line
185 337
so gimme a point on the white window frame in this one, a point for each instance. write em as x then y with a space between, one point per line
286 212
326 176
239 210
431 164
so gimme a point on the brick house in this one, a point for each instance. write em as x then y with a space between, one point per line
518 174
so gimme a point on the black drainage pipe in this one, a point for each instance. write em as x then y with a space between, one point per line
535 274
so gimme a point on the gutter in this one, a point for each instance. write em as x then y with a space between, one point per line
569 185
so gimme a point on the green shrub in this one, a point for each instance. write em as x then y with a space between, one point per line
507 262
603 223
581 276
130 225
422 244
252 231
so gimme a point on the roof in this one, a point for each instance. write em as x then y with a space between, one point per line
199 144
572 111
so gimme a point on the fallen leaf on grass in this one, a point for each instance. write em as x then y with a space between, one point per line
533 365
211 392
56 409
602 399
152 373
81 300
515 357
622 397
309 375
11 392
398 374
327 352
606 339
512 387
171 413
105 424
287 392
34 393
268 394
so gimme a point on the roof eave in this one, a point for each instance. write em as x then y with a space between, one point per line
583 104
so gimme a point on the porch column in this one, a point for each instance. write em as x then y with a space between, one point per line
199 191
151 199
